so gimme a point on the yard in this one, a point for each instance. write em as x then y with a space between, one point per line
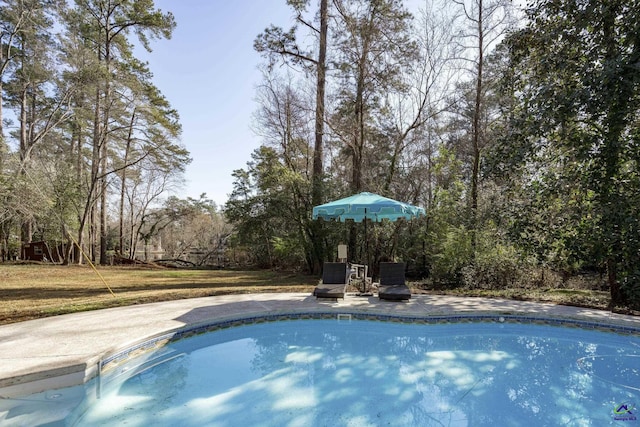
30 291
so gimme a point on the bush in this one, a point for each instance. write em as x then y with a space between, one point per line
287 253
631 290
453 255
496 266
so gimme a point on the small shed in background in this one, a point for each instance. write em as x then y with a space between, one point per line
37 251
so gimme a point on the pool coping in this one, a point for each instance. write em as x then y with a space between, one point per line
71 349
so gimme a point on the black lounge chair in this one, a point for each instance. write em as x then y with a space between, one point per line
392 284
335 276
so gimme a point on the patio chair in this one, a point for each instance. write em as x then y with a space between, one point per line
335 276
392 283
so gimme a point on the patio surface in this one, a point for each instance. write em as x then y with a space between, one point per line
65 350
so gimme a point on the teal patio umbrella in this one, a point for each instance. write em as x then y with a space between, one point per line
366 206
363 206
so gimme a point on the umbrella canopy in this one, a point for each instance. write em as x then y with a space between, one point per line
366 206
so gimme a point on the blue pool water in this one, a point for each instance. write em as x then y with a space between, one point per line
366 373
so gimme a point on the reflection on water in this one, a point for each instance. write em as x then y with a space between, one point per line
328 373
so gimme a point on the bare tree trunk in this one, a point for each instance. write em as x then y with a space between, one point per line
357 150
360 114
318 169
105 129
133 236
92 234
123 180
89 207
359 137
476 135
103 208
3 147
27 224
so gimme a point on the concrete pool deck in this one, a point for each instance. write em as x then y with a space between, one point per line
65 350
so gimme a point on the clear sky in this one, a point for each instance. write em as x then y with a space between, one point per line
208 71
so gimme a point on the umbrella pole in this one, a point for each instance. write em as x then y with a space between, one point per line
366 246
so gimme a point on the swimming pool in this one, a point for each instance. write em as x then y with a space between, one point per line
370 373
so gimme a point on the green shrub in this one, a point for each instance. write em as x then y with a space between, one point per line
496 267
631 290
454 253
